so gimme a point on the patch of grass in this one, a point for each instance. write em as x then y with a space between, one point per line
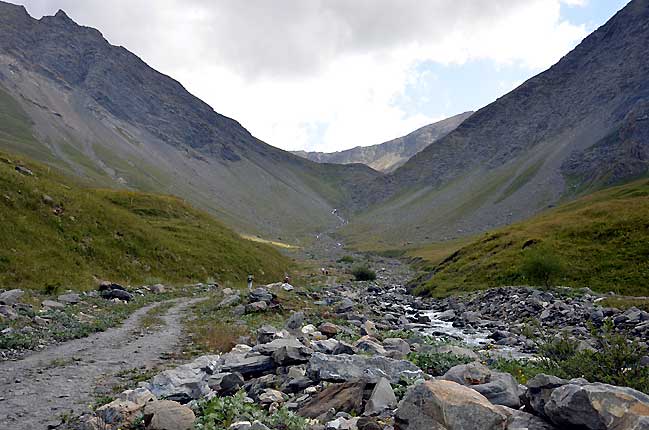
541 267
127 237
522 370
624 303
436 363
602 242
153 317
346 259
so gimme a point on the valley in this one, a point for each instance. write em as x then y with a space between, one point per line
161 268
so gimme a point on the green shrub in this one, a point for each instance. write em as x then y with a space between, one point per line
220 412
363 273
436 363
541 266
615 359
346 259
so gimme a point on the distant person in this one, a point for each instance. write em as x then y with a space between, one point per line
250 279
287 279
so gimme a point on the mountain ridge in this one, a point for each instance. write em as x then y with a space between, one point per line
388 156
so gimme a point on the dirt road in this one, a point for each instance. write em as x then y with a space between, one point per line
46 384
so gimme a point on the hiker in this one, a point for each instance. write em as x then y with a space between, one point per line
287 279
250 278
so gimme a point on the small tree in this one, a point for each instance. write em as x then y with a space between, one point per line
541 266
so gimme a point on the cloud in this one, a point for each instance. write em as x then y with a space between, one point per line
323 74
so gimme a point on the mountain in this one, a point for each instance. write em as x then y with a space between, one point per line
577 127
388 156
72 100
55 232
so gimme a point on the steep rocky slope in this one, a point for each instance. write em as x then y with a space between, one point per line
96 110
578 126
388 156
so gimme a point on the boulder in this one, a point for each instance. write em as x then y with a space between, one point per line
230 300
52 304
255 307
446 405
395 344
370 345
539 389
168 415
117 294
122 412
182 384
271 396
295 321
499 387
260 294
329 329
382 398
346 397
8 312
139 396
345 367
227 383
519 420
345 305
11 297
368 328
598 407
158 289
267 333
251 364
70 298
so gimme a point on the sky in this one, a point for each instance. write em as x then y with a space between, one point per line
327 75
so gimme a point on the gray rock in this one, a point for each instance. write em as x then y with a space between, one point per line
11 297
539 390
295 321
346 397
52 304
260 294
446 405
468 374
158 289
285 351
346 367
255 307
70 298
226 384
117 294
248 365
397 345
230 300
519 420
345 305
183 384
119 412
498 387
370 345
8 312
382 398
598 407
266 333
456 350
139 396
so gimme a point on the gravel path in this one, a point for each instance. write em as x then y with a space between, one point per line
40 387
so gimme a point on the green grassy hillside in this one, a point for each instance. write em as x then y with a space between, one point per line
601 241
55 232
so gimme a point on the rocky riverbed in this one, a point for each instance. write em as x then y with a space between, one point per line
361 364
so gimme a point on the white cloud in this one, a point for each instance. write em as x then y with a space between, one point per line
287 67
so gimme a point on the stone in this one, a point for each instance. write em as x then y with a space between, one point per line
597 406
295 321
498 387
230 300
346 397
122 412
24 171
255 307
52 304
345 305
266 333
139 396
370 345
8 312
368 329
11 297
158 289
182 384
250 365
519 420
539 389
287 287
70 298
458 351
327 346
329 329
117 294
271 396
168 415
368 423
446 405
256 425
345 367
241 425
260 294
382 398
226 384
308 329
397 345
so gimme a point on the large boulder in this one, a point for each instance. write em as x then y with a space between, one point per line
117 294
183 384
347 397
168 415
499 387
69 298
447 405
122 412
598 407
250 364
345 367
11 297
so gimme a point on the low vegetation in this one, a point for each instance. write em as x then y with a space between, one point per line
363 273
600 241
55 233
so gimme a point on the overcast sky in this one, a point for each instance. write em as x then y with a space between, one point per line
332 74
